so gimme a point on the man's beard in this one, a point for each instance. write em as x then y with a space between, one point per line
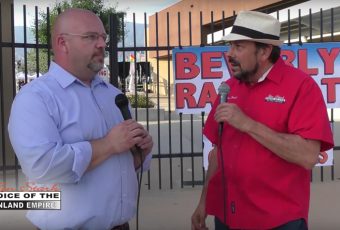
244 75
95 66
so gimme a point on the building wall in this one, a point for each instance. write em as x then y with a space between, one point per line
166 26
169 16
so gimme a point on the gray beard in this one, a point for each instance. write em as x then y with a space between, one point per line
95 67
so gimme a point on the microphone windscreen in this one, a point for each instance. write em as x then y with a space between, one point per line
223 91
223 88
122 103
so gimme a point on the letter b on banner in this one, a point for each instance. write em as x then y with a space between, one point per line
186 67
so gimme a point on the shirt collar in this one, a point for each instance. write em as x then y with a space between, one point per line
264 75
65 78
275 74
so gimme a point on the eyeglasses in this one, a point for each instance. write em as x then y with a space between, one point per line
91 37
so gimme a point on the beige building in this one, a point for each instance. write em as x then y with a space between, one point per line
193 23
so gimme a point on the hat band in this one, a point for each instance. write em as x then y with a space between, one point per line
252 33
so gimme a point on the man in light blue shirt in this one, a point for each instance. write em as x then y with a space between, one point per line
66 129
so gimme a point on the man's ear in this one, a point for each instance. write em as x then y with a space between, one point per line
265 52
62 44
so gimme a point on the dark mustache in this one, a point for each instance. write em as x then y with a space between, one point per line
99 53
233 61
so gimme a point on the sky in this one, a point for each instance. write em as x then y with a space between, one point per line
148 6
129 6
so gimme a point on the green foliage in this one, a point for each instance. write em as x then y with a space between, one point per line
140 100
96 6
44 28
31 63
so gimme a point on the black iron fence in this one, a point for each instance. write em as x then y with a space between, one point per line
177 153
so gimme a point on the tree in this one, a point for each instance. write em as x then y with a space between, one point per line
96 6
32 63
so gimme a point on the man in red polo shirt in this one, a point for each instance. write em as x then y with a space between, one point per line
275 124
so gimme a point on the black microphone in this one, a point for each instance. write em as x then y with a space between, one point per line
122 103
223 91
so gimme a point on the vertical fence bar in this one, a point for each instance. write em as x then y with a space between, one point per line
299 20
113 50
202 114
48 35
169 97
192 150
3 150
148 73
289 28
212 27
332 110
201 29
180 114
321 40
16 164
123 67
37 42
310 26
223 23
191 118
37 63
311 40
158 107
203 169
135 63
181 146
25 43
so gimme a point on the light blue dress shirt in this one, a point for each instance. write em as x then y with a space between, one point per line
53 118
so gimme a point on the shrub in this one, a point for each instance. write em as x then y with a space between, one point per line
142 101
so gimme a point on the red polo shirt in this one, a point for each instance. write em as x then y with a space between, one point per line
264 191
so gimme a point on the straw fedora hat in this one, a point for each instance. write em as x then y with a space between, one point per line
255 26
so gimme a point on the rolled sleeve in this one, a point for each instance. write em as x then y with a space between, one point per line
82 158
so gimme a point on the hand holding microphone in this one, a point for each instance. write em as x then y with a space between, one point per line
137 138
230 112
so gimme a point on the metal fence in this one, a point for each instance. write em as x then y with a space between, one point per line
177 153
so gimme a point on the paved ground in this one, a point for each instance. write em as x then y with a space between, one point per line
168 209
171 209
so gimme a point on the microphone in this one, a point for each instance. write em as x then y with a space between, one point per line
122 103
223 91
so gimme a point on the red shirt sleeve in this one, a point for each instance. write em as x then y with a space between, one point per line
308 117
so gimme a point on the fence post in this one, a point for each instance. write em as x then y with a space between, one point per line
6 84
113 49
